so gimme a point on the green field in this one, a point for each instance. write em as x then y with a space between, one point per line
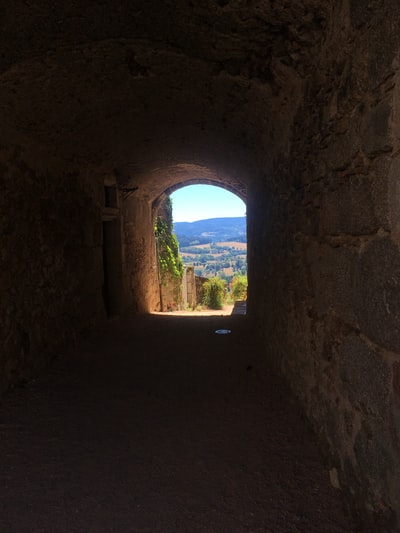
224 259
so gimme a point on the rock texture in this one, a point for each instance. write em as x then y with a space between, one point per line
331 292
51 263
292 105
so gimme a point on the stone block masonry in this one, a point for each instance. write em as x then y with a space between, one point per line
51 270
332 295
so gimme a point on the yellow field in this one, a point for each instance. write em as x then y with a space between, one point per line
201 246
235 245
232 244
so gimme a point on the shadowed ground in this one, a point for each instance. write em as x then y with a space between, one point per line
161 425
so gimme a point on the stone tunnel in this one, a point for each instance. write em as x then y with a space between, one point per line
107 107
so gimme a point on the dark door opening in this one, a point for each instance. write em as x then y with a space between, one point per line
112 280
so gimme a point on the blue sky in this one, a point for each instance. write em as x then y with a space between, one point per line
199 202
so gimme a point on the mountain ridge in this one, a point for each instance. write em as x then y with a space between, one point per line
211 230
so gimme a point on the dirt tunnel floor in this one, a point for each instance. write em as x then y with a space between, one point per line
161 425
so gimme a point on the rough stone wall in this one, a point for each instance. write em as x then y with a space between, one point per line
189 287
140 263
331 258
172 290
50 263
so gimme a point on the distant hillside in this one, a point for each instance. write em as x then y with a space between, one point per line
211 230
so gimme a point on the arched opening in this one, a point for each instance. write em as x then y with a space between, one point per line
220 254
143 194
210 226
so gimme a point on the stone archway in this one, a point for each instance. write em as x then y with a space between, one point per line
140 208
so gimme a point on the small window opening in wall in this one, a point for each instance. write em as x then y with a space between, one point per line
110 196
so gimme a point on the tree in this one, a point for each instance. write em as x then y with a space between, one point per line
239 287
214 293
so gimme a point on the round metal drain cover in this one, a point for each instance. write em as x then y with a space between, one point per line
223 331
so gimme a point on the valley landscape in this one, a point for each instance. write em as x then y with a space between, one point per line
215 247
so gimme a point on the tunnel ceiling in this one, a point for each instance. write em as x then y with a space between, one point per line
135 87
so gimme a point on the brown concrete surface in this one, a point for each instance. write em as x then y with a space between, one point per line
161 425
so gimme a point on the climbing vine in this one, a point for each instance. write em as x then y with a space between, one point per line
170 261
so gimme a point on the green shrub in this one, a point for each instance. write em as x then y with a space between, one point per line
214 293
239 287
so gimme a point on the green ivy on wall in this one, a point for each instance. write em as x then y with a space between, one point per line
170 261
